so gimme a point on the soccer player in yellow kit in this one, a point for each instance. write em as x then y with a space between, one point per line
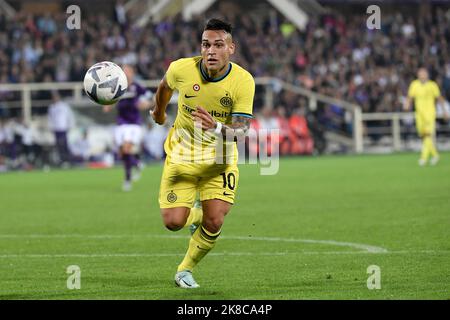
424 92
215 101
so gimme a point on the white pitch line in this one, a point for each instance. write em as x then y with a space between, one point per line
360 246
131 255
214 254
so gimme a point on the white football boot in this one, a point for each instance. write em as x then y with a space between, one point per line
184 279
126 186
434 160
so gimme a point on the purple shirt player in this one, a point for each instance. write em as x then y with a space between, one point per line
128 133
127 107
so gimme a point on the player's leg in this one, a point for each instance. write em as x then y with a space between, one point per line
426 127
432 147
421 132
217 196
175 218
135 138
127 137
195 216
125 151
202 241
204 238
178 218
120 142
177 196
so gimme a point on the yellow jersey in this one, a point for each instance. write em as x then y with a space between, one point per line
229 95
424 95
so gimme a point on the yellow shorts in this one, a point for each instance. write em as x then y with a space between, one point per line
425 124
181 181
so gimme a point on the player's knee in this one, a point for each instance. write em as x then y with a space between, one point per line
214 224
172 226
173 222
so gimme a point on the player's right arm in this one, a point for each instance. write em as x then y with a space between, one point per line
162 98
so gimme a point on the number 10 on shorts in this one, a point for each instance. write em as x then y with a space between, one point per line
229 180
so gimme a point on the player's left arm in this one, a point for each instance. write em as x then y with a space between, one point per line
238 127
440 99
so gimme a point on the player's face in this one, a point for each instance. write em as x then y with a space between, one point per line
422 74
217 46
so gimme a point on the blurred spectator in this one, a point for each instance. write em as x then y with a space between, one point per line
3 143
302 142
285 132
120 13
46 24
80 148
24 135
61 120
268 128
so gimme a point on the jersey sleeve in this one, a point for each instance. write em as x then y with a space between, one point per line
412 90
243 106
172 75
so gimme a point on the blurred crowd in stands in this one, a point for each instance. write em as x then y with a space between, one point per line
27 146
336 55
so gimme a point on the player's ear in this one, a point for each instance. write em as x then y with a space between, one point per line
232 47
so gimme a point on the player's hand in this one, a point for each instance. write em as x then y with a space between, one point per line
202 117
160 118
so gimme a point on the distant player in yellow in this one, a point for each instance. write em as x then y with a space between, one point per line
424 93
215 100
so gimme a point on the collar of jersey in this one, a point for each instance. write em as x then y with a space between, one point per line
207 78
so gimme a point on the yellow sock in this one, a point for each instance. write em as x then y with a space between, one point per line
431 147
202 241
425 148
195 217
428 148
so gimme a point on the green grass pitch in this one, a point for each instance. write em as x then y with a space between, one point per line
309 232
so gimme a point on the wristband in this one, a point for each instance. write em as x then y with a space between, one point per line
218 129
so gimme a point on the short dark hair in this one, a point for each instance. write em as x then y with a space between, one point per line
216 24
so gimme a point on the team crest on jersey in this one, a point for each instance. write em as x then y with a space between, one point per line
171 197
196 87
226 101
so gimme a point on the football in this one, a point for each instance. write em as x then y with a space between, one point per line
105 82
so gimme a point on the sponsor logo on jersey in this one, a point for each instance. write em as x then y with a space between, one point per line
214 113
